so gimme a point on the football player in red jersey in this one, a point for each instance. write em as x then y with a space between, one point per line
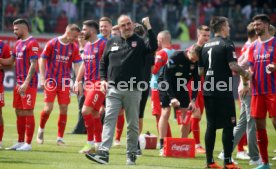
25 56
5 52
55 68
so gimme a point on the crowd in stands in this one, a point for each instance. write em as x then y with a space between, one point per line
180 17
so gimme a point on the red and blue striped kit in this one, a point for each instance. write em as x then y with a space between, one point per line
91 56
59 58
24 51
260 55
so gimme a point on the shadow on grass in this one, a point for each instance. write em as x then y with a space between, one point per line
12 161
53 151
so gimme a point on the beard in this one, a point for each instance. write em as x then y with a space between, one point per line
18 36
259 32
86 37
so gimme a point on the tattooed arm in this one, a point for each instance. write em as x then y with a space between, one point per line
29 77
237 69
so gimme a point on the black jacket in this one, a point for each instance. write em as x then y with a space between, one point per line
124 59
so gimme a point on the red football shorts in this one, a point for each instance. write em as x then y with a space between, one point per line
155 102
93 96
26 101
62 93
261 104
2 100
200 101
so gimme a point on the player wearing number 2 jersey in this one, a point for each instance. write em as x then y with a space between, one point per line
25 55
217 63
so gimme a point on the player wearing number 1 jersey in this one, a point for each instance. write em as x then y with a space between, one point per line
25 55
217 63
94 98
55 68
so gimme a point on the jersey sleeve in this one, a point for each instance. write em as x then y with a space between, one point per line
200 60
230 52
102 46
243 59
104 62
47 50
14 50
169 70
196 80
250 55
34 50
6 51
161 59
76 55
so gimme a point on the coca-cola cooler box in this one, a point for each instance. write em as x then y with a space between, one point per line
148 141
179 147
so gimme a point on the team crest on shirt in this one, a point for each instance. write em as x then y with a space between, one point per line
270 48
134 44
95 50
192 67
24 47
177 74
70 52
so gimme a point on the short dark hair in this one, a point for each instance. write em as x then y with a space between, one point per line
91 24
263 17
203 28
73 27
21 21
139 29
250 30
104 18
217 22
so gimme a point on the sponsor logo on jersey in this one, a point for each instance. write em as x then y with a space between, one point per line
212 44
35 49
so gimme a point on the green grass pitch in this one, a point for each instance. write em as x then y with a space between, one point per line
51 156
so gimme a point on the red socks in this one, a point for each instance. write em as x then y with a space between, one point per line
43 119
62 124
21 125
120 126
89 124
263 144
98 129
195 129
30 126
242 143
1 131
